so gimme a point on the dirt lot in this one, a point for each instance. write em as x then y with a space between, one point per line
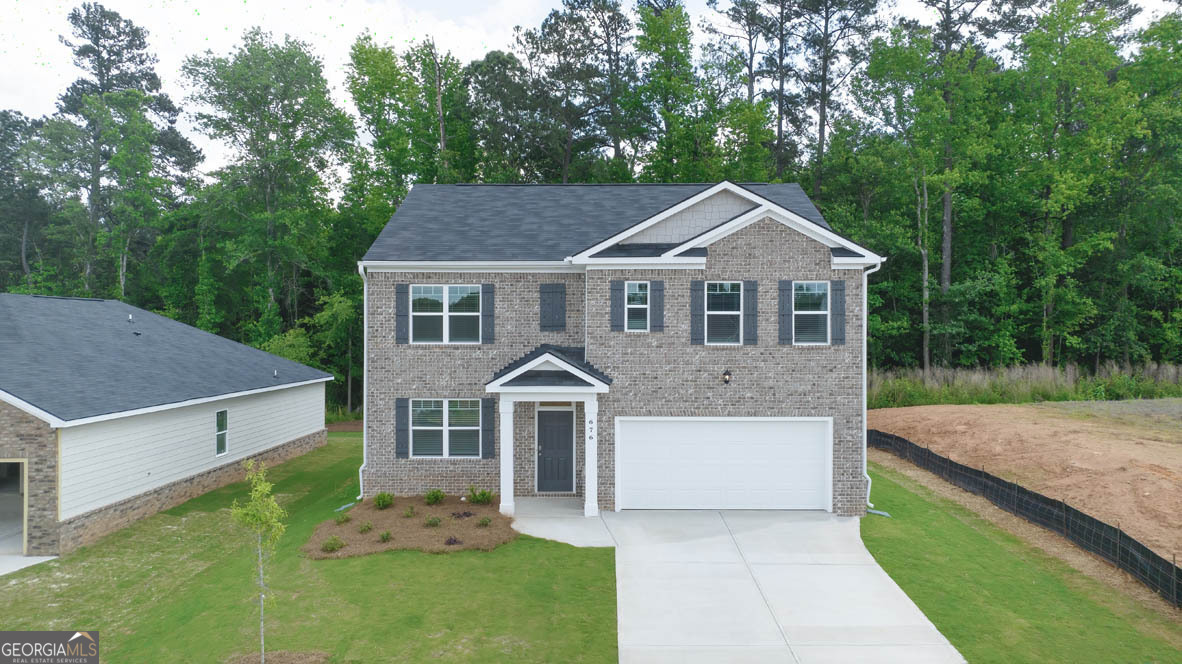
1120 461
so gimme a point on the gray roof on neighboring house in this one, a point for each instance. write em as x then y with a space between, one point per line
76 358
547 222
572 355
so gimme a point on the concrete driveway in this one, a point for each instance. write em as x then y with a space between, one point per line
747 587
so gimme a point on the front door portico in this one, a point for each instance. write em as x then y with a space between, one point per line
550 374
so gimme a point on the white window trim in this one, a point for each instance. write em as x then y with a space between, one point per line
445 428
218 432
445 314
826 314
706 314
648 289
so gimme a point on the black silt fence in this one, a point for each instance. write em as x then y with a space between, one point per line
1089 533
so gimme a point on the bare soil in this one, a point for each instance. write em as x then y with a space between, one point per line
458 524
1048 542
1121 462
346 426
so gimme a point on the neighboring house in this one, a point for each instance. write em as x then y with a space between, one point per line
109 413
644 346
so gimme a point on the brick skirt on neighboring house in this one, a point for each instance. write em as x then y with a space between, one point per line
89 527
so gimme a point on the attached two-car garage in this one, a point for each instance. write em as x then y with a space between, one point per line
724 463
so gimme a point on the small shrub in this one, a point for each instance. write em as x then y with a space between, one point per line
384 537
484 522
331 544
479 496
365 528
432 522
452 541
342 518
409 513
383 500
434 496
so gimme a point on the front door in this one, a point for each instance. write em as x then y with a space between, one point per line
556 450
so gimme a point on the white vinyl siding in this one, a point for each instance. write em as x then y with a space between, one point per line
105 462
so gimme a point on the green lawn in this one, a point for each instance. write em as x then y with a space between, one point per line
998 599
177 588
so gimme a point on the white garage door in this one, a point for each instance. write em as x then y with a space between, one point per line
723 463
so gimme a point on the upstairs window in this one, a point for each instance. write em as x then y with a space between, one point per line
445 314
810 312
724 312
636 306
445 427
222 424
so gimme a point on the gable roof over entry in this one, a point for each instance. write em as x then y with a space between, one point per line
538 222
73 360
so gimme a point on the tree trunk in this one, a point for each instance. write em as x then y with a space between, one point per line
262 597
439 115
123 267
822 111
921 220
349 377
25 253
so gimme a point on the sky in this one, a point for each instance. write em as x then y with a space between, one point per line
35 67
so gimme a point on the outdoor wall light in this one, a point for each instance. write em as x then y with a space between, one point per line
726 377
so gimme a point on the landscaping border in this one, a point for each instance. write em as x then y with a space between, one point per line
1085 531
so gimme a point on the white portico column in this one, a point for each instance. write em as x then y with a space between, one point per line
591 457
506 445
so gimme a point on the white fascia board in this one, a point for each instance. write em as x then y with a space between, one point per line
498 385
697 264
59 423
662 261
668 212
467 266
784 216
45 416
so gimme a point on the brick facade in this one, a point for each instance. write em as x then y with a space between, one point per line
23 436
654 374
27 438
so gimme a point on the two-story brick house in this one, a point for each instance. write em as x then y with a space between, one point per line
643 346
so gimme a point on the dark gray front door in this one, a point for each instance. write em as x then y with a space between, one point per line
556 450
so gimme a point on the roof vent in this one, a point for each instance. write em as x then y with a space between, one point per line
275 373
128 318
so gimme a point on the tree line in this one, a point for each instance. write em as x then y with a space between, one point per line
1018 161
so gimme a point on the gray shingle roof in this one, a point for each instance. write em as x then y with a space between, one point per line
573 355
76 358
444 222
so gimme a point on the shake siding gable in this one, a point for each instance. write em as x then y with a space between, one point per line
105 462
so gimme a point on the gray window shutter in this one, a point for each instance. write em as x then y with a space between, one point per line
837 312
552 307
785 312
750 313
656 306
488 442
617 306
488 308
402 428
401 313
697 312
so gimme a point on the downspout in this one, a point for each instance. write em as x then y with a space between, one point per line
364 381
865 371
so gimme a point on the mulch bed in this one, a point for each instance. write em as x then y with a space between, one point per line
457 529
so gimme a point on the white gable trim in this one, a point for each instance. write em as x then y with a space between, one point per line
58 423
498 385
786 217
665 214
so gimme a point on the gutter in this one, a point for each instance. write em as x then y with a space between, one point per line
865 371
364 380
